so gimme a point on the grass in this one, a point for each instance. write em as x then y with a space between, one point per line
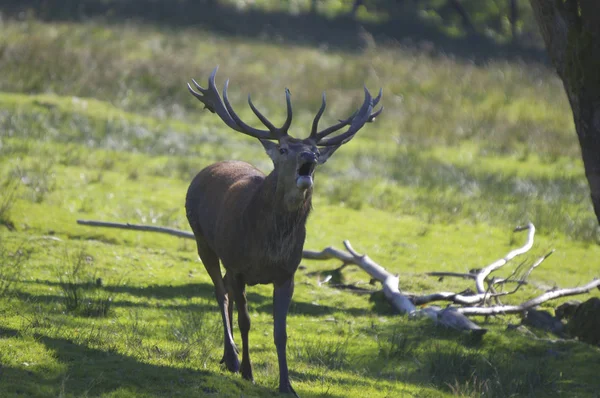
11 267
82 291
491 373
95 122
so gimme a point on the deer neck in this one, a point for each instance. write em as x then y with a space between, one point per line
275 202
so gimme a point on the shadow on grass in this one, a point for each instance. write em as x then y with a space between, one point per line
95 372
433 358
304 29
256 301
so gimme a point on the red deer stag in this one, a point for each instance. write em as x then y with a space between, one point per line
255 224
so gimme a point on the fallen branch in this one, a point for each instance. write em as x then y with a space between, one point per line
485 272
456 298
523 280
442 275
401 302
390 282
138 227
514 309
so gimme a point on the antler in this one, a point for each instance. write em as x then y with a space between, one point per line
356 121
212 101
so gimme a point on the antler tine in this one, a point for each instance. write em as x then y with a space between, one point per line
194 92
375 102
215 107
342 123
281 131
288 119
376 99
245 128
332 129
204 92
261 117
212 101
356 123
315 124
375 114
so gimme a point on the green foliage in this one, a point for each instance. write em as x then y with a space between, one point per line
198 333
37 176
11 267
332 355
9 195
396 346
83 293
496 374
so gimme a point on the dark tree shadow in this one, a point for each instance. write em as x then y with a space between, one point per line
257 302
433 357
95 372
340 33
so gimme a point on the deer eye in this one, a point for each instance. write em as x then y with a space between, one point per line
283 151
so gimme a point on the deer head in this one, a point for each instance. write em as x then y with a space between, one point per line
294 160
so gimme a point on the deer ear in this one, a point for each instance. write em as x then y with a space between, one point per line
326 152
271 148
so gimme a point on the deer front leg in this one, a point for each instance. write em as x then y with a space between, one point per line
282 296
230 356
228 281
211 263
239 291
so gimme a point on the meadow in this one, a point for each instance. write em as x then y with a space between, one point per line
96 123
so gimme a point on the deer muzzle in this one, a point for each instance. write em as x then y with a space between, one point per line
304 178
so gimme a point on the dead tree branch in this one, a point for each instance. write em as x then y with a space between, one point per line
523 280
452 274
485 272
514 309
137 227
390 282
456 298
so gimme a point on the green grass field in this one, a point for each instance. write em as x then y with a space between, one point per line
96 123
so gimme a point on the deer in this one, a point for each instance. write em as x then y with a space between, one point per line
255 224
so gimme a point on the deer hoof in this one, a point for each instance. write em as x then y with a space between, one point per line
287 389
247 375
231 361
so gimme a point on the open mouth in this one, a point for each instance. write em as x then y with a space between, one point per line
305 171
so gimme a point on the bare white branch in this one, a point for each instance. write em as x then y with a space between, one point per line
447 317
514 309
485 272
456 298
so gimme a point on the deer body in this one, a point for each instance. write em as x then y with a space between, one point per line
234 208
255 225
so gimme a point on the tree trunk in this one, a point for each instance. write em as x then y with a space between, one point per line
571 32
355 6
513 18
464 17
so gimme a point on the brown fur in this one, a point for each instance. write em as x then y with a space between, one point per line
235 209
